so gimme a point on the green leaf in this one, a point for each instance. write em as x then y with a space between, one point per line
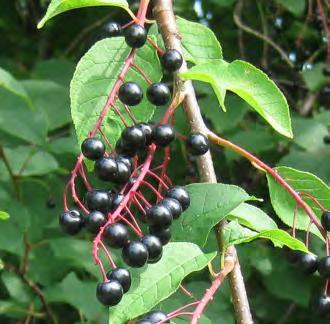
252 217
77 293
156 282
59 6
251 84
4 215
210 203
19 121
27 161
50 99
8 82
235 234
314 77
296 7
94 79
199 43
283 203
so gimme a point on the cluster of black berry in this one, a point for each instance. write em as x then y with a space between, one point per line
309 263
154 317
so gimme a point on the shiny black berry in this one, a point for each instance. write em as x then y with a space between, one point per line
125 159
135 36
307 262
123 173
125 149
109 293
291 255
197 144
180 194
324 267
157 316
135 254
116 235
105 168
94 221
134 137
325 220
100 200
122 275
158 94
326 139
173 206
92 148
130 93
147 130
113 29
321 305
164 234
163 135
159 216
71 222
172 60
116 200
154 247
143 321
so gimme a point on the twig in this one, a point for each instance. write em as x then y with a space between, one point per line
163 12
238 21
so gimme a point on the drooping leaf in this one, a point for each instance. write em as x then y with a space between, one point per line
19 121
210 203
251 84
283 203
58 6
158 281
4 215
94 79
9 83
252 217
27 161
50 99
77 293
235 234
198 41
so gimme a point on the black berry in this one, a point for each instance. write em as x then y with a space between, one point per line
325 220
143 321
163 135
133 136
308 262
154 247
164 234
147 130
106 168
197 144
94 221
123 276
71 222
109 293
326 71
173 206
92 148
321 305
326 139
125 159
100 200
158 94
113 29
135 254
116 235
324 267
117 199
291 255
130 93
157 316
159 216
172 60
123 173
125 149
135 36
181 195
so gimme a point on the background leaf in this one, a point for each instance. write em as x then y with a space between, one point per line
4 215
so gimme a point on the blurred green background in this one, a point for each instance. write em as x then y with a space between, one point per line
46 276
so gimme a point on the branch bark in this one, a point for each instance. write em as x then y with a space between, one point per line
164 14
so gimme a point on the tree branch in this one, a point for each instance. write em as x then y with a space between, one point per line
164 14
